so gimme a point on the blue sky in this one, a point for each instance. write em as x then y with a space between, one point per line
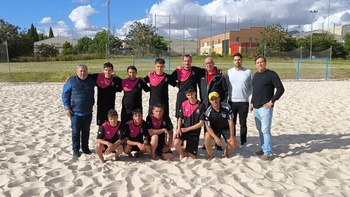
77 18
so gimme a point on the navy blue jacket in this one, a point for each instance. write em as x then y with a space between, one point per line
78 95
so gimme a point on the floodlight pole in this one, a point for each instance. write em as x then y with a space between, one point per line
312 21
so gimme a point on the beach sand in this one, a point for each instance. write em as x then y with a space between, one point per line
311 151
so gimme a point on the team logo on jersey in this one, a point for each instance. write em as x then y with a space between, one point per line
193 73
166 79
164 123
139 85
141 130
112 83
223 115
197 111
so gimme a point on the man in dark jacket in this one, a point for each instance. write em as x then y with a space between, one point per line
78 100
212 80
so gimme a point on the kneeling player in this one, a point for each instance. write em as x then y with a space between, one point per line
189 123
160 130
110 137
136 135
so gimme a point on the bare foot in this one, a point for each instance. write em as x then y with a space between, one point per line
225 154
210 157
153 157
102 161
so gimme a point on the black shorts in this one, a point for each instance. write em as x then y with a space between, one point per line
192 141
225 133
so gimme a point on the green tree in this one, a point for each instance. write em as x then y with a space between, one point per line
51 33
98 44
347 45
67 49
83 45
46 50
290 44
159 45
140 38
273 37
115 45
33 34
9 33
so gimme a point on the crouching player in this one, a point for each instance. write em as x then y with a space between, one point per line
189 123
110 137
136 135
219 121
160 130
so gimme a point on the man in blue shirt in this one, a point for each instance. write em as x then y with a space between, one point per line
78 100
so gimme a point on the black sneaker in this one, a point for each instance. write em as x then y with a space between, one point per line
76 155
219 148
260 152
88 152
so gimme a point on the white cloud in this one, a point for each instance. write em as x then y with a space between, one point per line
219 16
80 17
46 20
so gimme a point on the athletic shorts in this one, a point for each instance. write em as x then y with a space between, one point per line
225 133
192 141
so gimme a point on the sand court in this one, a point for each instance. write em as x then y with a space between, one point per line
311 148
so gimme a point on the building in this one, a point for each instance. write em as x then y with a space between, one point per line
57 42
244 41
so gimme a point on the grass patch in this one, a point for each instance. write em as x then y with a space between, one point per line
58 71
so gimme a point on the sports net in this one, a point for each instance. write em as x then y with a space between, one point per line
312 68
4 62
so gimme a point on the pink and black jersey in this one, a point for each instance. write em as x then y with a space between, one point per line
136 133
159 90
186 79
106 89
109 133
132 97
191 114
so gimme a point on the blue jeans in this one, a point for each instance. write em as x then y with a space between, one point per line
80 127
263 119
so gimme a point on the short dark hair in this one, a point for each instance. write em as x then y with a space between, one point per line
112 113
260 56
238 55
190 90
136 111
108 65
158 105
132 67
159 61
187 55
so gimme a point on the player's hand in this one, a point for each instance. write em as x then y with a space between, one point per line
268 104
165 131
218 141
69 112
178 133
251 107
184 130
165 148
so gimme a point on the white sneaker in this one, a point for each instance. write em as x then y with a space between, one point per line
244 147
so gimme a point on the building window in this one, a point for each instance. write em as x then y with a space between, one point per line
237 39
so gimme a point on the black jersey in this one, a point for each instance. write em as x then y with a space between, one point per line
106 89
159 90
186 79
153 123
132 97
191 114
136 133
218 121
108 133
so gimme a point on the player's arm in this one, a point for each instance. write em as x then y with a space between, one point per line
156 131
193 127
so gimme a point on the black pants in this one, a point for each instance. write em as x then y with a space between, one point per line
240 109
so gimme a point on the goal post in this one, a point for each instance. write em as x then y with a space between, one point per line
4 59
313 68
147 61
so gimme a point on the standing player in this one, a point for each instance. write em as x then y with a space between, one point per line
136 135
132 98
107 85
239 80
110 137
189 123
160 130
159 81
218 120
187 77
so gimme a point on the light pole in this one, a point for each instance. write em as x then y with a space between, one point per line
312 21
